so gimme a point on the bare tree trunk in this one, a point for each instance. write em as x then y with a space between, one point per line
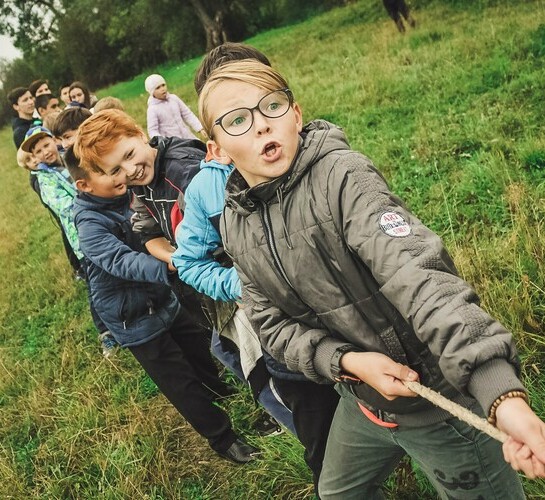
213 25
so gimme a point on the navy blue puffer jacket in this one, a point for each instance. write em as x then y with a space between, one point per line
129 288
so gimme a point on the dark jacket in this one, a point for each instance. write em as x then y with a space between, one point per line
20 127
129 288
331 258
159 205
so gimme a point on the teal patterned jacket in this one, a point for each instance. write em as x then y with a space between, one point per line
57 191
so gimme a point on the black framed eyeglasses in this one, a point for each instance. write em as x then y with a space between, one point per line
272 105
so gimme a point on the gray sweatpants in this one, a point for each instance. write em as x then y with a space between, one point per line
461 462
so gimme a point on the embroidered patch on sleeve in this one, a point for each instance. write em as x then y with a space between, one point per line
394 225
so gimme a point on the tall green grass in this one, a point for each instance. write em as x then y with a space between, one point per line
452 113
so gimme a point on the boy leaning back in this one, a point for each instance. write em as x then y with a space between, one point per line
347 284
158 172
168 344
131 293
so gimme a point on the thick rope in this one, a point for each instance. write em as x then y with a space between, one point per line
458 411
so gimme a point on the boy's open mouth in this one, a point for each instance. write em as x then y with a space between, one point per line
271 151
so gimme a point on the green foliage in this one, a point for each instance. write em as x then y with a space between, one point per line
535 160
104 41
451 113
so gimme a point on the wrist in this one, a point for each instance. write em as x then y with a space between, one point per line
338 360
504 402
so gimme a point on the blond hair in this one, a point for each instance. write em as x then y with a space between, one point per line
249 71
108 102
97 136
22 159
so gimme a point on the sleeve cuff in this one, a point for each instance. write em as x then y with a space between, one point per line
324 353
491 380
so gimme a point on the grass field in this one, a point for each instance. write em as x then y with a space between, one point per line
452 113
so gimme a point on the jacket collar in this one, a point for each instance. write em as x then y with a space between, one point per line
91 201
153 100
317 139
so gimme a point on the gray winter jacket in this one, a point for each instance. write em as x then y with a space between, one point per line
330 257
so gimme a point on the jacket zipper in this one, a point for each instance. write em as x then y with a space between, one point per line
164 225
270 242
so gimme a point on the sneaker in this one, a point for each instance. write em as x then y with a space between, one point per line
80 275
240 452
267 426
108 343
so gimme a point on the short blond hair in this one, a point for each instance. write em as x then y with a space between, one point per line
108 102
247 71
98 135
22 159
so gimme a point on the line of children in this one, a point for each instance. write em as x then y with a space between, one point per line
347 285
377 300
131 289
158 173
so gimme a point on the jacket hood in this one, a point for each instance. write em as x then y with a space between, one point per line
171 148
317 139
216 164
86 201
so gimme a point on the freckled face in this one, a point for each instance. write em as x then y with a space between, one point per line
133 158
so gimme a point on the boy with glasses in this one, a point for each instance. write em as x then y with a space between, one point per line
348 286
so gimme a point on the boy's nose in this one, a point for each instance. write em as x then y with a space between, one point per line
261 123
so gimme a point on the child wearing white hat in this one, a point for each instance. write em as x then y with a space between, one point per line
167 114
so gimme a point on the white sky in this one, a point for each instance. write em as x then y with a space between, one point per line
7 50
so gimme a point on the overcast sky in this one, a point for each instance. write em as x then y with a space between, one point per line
7 50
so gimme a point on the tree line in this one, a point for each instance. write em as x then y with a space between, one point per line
105 41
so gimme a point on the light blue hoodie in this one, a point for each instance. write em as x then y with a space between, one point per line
198 235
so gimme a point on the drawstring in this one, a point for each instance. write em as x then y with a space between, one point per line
280 196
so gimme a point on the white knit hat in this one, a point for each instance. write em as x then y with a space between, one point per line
152 82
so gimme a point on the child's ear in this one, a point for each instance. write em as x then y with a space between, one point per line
298 116
82 185
217 152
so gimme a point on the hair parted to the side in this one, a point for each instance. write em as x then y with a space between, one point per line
222 54
69 119
14 94
72 163
98 135
35 85
248 71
